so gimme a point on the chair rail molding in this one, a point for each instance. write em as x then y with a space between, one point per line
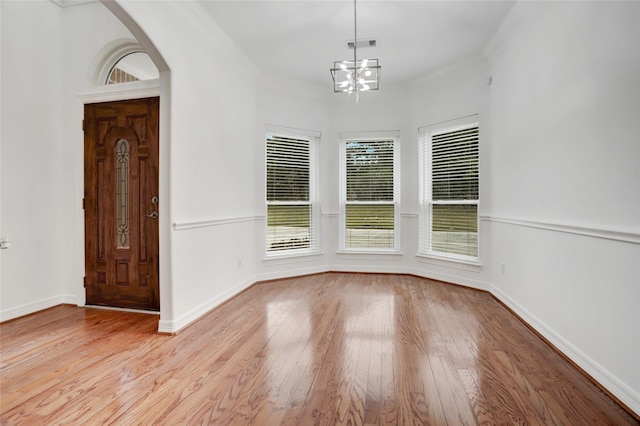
181 226
624 235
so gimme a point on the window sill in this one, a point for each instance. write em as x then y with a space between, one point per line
299 255
451 262
390 253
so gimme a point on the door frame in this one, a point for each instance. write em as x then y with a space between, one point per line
133 261
120 92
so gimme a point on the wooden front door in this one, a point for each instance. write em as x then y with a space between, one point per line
121 203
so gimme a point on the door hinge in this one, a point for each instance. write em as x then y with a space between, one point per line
83 128
84 282
83 204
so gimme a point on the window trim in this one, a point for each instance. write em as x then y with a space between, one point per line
313 137
393 135
426 202
111 54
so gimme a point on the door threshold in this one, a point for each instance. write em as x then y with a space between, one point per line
114 308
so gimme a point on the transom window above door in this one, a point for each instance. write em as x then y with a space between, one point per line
134 66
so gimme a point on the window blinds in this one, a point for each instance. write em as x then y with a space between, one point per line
451 191
290 215
369 167
454 165
369 194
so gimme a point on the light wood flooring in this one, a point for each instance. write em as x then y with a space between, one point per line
328 349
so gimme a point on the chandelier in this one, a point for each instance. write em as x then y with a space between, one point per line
357 75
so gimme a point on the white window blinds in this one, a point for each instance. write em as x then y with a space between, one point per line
450 192
369 194
290 194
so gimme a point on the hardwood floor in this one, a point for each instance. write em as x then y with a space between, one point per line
323 349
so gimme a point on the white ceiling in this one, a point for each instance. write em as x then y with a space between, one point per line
301 39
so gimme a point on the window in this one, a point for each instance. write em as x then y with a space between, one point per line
133 66
369 193
291 194
449 191
122 193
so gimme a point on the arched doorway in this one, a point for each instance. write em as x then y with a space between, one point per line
118 55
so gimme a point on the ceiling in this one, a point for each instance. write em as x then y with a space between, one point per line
301 39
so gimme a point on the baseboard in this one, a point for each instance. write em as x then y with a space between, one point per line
603 377
369 269
289 273
452 279
69 299
448 278
173 326
38 305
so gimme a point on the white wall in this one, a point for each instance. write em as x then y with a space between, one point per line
47 57
34 213
46 53
383 110
560 163
212 136
216 195
289 106
456 92
565 181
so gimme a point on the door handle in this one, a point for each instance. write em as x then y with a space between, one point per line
153 215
